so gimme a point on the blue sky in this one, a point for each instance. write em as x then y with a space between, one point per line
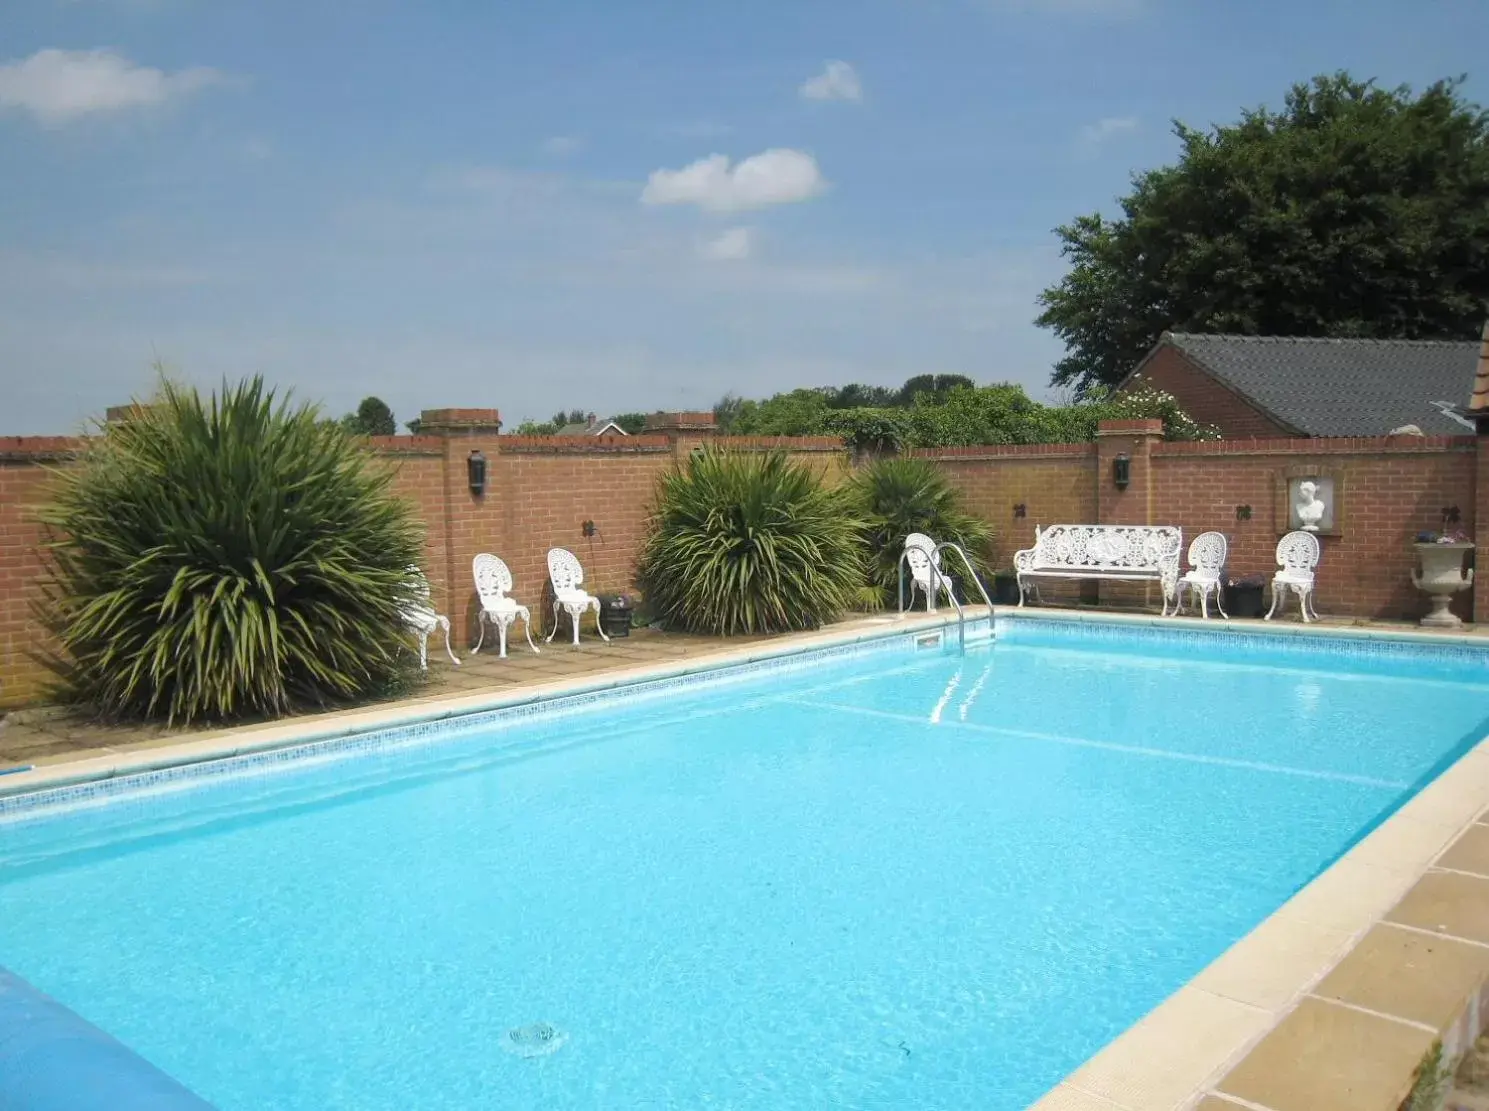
602 205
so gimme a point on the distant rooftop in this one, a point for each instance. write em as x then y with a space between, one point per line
593 426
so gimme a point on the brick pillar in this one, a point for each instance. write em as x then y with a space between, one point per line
1132 505
473 522
120 414
685 431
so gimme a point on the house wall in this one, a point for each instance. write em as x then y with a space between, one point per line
540 491
1203 398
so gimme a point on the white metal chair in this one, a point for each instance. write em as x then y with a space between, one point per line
1207 561
567 577
420 617
921 555
1297 556
493 580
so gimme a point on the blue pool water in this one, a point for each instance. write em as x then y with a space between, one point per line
901 879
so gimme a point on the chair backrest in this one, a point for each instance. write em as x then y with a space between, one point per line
564 569
1207 553
1298 551
921 552
493 578
416 601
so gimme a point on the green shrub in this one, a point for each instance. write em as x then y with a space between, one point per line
875 430
898 496
226 557
749 544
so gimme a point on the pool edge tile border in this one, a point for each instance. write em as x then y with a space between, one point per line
1230 625
98 767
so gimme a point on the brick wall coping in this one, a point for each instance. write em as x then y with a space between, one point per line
407 445
785 443
1333 445
686 422
983 451
459 416
39 449
583 445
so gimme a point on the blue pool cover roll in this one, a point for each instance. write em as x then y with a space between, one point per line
53 1060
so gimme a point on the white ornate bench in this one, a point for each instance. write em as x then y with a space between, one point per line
1123 552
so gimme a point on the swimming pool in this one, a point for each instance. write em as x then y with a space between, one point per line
888 877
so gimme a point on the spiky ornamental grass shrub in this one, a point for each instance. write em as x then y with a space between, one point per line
898 496
227 557
747 543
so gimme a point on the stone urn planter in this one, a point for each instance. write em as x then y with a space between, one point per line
1442 575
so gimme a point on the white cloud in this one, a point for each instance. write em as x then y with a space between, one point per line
837 81
779 176
1094 134
736 243
59 86
561 146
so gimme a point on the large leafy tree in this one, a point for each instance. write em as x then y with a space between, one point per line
961 416
1354 211
372 418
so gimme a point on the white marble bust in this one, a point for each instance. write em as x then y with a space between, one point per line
1309 506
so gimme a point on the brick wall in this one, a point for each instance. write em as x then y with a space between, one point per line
540 491
1203 398
25 473
1048 483
1387 489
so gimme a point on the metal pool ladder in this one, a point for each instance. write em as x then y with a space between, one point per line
961 613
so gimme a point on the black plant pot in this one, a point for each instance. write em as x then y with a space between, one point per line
1005 589
615 615
1244 601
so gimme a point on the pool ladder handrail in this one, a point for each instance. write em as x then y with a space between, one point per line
936 576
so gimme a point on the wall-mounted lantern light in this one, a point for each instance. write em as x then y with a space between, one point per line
1243 512
475 472
587 528
1020 510
1122 471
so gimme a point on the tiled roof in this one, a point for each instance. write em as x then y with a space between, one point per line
595 429
1346 387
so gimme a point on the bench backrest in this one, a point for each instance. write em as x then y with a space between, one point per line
1109 547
